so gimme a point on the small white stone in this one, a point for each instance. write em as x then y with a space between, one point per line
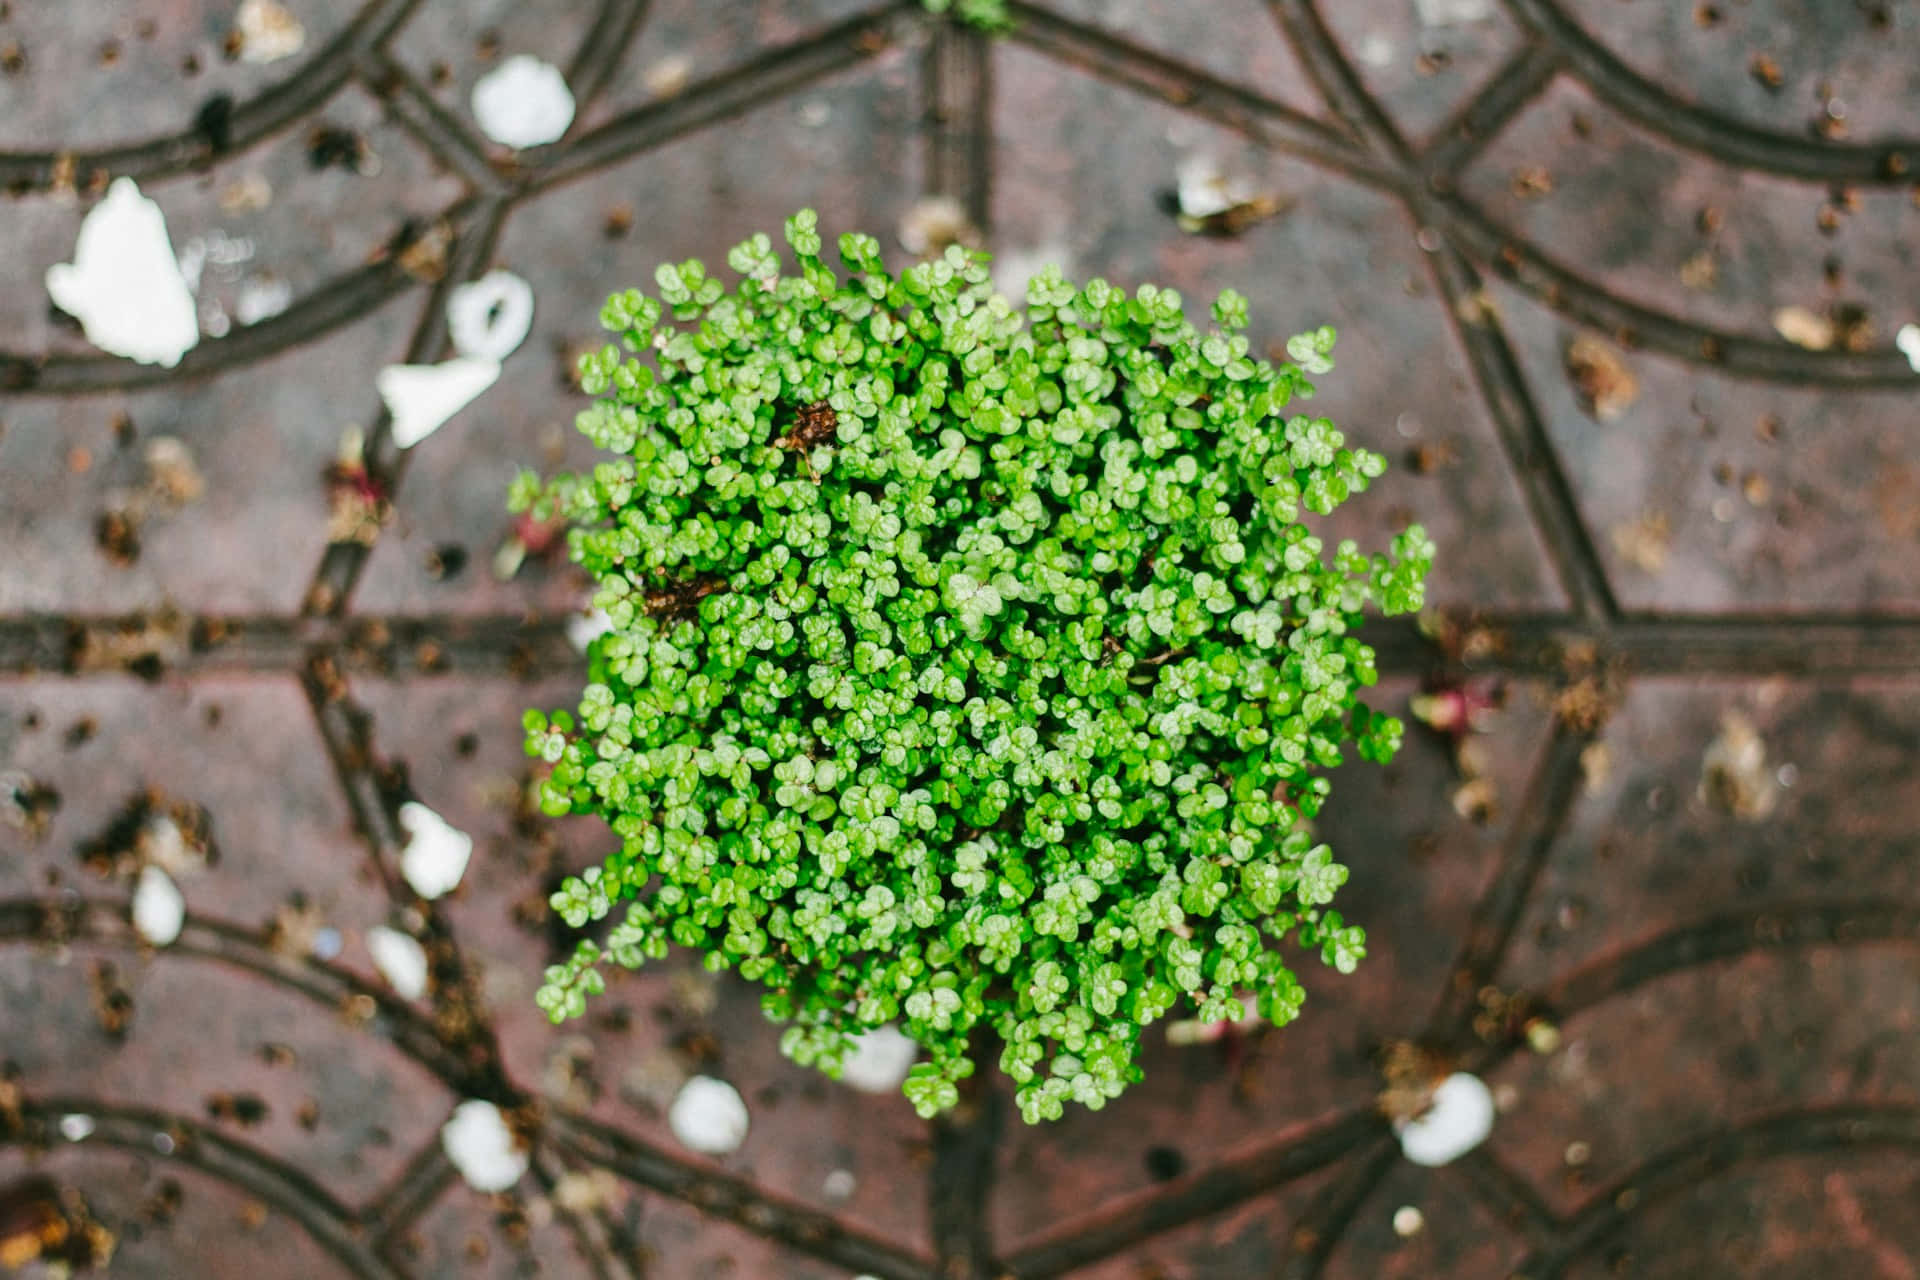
1908 340
436 855
1376 51
709 1116
481 1146
262 298
1459 1120
489 318
327 943
879 1061
523 102
159 908
839 1185
268 32
124 283
421 397
584 628
1444 13
1408 1221
401 961
76 1127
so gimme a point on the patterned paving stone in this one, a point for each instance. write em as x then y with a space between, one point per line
1714 1082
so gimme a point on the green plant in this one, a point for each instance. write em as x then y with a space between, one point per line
967 668
990 16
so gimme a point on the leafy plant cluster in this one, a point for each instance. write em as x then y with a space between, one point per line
990 16
970 668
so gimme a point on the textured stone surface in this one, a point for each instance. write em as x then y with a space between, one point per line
1693 1019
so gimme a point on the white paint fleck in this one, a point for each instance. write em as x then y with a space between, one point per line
268 32
1014 268
1376 51
124 283
159 908
421 397
523 102
1459 1120
879 1061
481 1146
1908 340
1446 13
436 855
489 318
401 960
584 628
261 298
709 1116
75 1127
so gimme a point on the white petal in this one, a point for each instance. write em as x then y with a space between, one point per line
1908 340
709 1116
1459 1120
481 1146
1444 13
436 855
401 961
159 908
879 1061
423 396
268 32
584 628
124 282
489 318
523 102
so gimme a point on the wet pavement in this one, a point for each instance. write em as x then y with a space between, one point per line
1665 902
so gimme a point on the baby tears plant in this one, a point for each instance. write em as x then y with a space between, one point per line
970 668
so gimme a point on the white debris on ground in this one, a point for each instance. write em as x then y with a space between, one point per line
437 853
261 298
523 102
124 284
933 223
1734 777
669 76
1205 189
159 908
1193 1031
879 1061
268 31
489 318
75 1127
584 628
838 1185
1447 13
482 1148
1013 268
1908 340
487 321
1408 1221
1459 1120
421 397
709 1116
401 960
328 942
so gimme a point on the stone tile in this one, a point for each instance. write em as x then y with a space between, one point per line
1719 246
1237 40
1715 493
1867 56
1423 72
